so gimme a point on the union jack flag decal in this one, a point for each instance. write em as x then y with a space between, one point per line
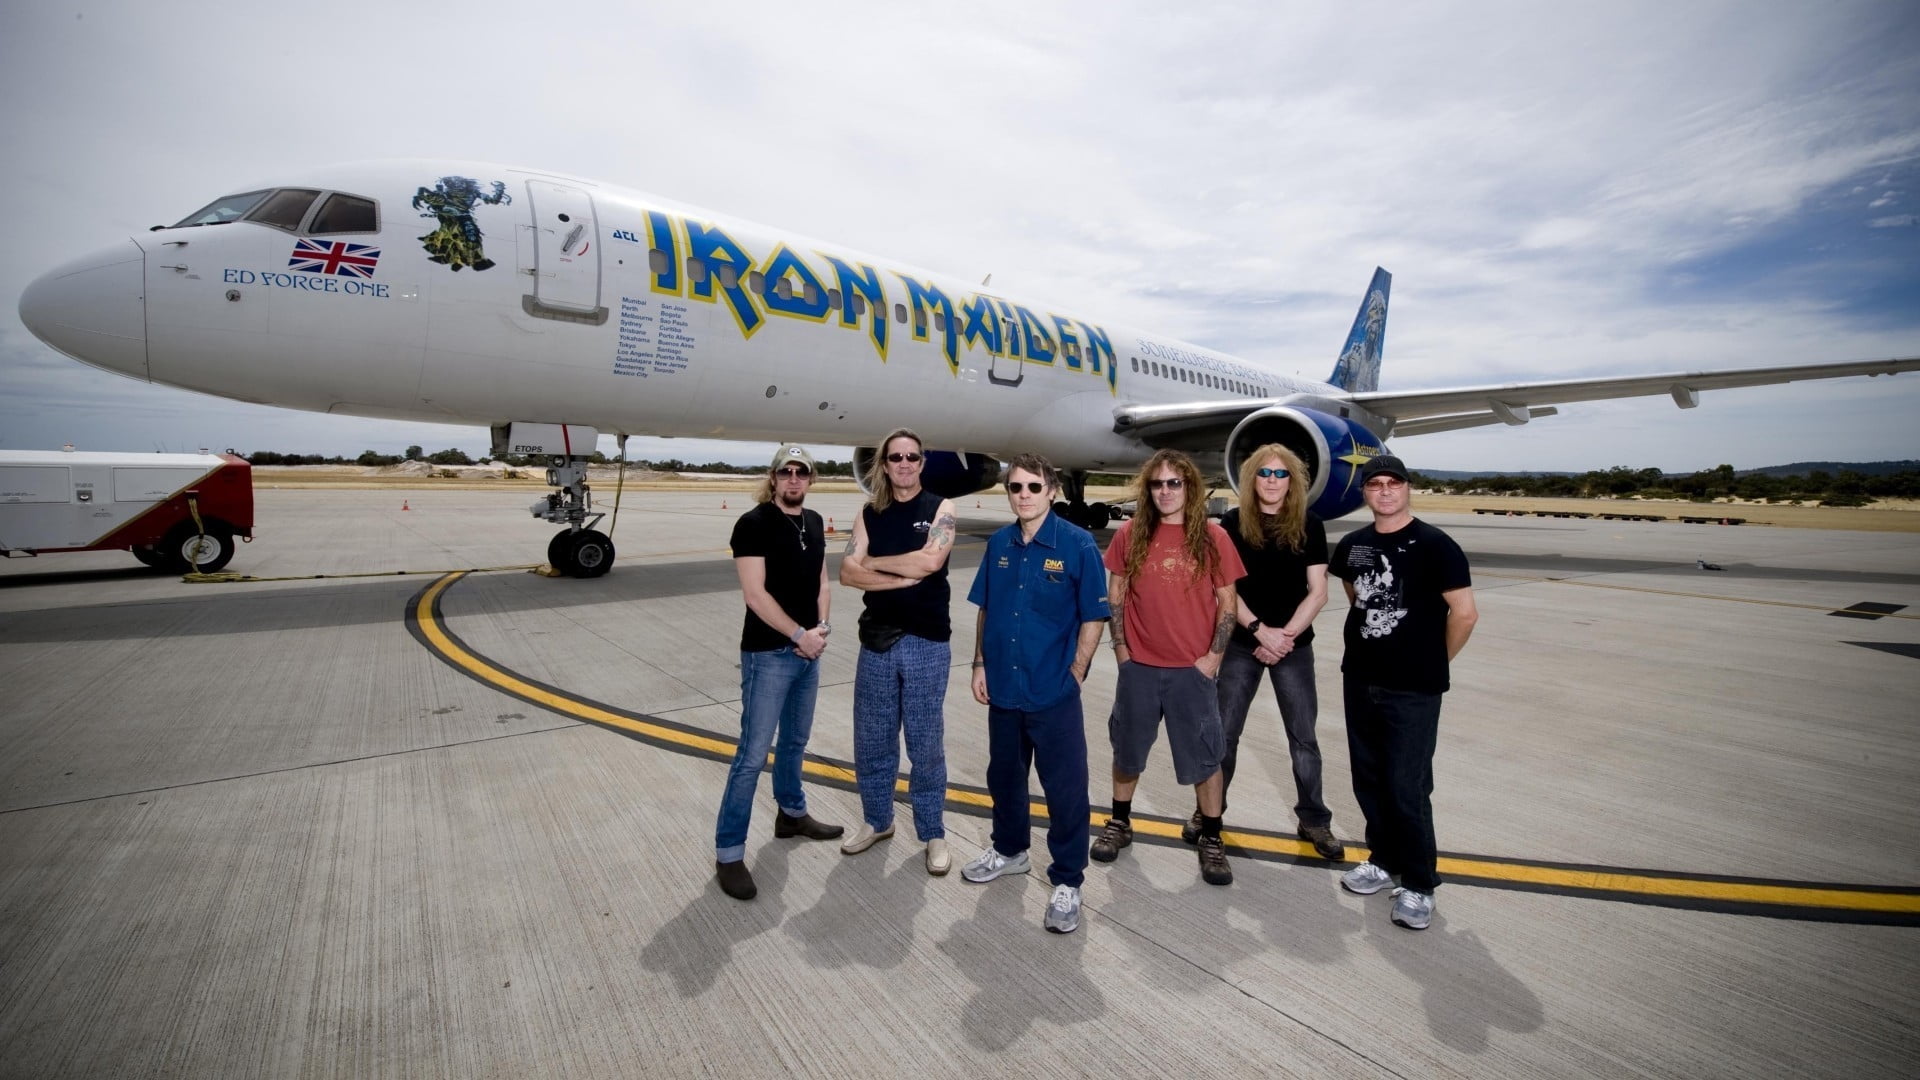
334 257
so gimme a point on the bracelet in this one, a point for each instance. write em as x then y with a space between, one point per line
979 663
796 635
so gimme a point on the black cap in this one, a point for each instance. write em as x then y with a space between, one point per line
1383 465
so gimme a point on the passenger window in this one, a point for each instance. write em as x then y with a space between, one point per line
811 292
657 261
900 314
859 304
833 299
755 281
940 321
222 210
783 289
696 270
346 214
284 209
729 277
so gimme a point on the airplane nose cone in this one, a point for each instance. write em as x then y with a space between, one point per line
93 309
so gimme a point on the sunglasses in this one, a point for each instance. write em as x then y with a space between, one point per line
1034 487
793 472
1383 483
1173 484
1269 474
898 458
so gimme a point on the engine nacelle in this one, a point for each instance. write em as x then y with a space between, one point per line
1333 448
943 472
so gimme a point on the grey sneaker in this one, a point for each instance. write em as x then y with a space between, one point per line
991 864
1413 910
1365 879
1063 910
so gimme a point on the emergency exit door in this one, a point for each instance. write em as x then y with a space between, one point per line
566 246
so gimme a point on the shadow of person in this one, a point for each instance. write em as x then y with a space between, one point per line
1020 973
1287 902
865 912
694 946
1463 988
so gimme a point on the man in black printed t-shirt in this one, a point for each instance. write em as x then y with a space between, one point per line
1412 611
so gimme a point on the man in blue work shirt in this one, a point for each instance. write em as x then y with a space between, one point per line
1042 594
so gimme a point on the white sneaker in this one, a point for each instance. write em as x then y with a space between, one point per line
863 838
938 859
1063 910
991 864
1365 879
1413 910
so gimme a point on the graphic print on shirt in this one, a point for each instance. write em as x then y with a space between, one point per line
1379 595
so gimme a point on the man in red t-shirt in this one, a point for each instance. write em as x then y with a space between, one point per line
1170 584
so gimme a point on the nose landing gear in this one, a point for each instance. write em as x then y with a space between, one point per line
579 550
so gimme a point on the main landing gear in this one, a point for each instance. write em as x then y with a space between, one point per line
579 550
1090 516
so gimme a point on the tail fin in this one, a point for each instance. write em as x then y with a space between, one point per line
1358 368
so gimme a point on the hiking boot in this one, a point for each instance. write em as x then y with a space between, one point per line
991 864
1106 847
1063 910
863 838
939 860
806 825
1190 832
1413 910
1365 879
1213 861
735 881
1324 842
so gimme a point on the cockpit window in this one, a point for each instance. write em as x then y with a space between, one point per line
222 210
285 208
346 214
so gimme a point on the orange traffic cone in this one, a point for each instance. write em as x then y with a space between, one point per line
830 529
723 504
404 506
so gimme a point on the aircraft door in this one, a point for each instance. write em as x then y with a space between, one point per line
566 246
1005 368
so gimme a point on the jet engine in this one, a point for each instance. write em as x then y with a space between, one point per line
943 472
1333 448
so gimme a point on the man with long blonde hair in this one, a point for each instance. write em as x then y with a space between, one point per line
1284 548
1170 585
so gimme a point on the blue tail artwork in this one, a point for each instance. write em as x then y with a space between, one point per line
1358 369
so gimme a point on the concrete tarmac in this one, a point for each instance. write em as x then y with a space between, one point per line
340 827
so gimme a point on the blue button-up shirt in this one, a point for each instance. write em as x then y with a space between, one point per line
1035 597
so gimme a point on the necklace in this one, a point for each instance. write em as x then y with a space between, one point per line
799 526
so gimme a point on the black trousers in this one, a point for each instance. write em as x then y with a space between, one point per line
1391 736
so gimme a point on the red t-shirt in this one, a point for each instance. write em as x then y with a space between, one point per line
1170 609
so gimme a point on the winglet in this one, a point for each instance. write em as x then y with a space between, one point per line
1358 369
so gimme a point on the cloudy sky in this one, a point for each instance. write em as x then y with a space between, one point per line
1559 190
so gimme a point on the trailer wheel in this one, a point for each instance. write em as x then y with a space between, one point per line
185 546
148 556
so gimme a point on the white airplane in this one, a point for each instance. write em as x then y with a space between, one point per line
553 309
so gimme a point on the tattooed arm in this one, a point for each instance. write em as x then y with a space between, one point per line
1117 603
931 556
1224 607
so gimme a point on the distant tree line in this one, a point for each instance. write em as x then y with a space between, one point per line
1844 488
456 456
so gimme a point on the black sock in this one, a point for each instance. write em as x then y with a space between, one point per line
1209 826
1123 811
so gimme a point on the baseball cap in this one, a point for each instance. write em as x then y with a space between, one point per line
789 452
1383 465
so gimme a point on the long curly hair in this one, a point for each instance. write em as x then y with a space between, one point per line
1289 526
879 485
1146 516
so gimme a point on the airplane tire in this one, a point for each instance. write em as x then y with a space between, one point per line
560 553
592 554
178 553
1099 516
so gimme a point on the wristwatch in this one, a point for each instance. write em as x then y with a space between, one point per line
825 627
1253 627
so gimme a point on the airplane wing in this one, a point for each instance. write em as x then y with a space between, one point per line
1423 412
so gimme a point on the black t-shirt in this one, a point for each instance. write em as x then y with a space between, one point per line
1276 578
920 609
1397 628
793 568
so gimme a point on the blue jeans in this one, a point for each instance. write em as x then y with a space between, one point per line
1391 735
1293 689
1055 740
777 689
902 690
